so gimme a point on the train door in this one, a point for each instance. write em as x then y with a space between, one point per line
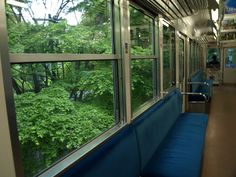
229 66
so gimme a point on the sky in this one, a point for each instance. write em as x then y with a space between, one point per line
40 11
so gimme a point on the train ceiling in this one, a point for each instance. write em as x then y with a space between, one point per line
193 13
175 9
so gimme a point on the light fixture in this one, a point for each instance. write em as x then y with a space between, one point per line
215 37
17 4
218 1
165 23
215 14
215 31
187 22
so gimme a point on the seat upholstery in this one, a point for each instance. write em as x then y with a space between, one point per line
118 157
161 142
200 88
152 127
180 153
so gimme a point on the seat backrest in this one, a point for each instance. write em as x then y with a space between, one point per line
117 157
197 77
152 126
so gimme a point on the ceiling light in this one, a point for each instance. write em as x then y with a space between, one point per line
187 21
218 1
215 14
165 23
215 31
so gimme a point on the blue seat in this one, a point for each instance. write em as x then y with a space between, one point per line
161 142
199 85
117 157
180 153
171 143
152 127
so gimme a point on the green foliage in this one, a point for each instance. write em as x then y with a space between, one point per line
50 125
142 86
59 38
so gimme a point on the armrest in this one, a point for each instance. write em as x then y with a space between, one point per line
203 83
200 94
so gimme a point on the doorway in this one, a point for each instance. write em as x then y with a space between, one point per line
229 66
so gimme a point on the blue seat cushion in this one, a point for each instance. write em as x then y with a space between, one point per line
117 157
180 153
153 126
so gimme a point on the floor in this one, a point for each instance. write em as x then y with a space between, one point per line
220 148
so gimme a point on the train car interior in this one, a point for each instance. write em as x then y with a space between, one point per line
117 88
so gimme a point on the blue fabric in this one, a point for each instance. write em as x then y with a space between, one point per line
197 77
180 153
200 88
118 157
153 126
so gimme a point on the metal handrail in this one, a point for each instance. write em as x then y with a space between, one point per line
201 94
202 83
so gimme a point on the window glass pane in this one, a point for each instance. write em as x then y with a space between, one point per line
213 58
191 57
197 58
60 106
141 31
51 26
181 60
194 57
230 58
169 57
142 82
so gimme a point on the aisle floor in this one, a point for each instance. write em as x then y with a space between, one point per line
220 148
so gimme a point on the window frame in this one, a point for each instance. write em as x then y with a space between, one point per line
156 62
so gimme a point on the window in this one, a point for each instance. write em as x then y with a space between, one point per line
141 32
60 107
181 60
142 82
230 58
191 62
213 58
197 58
60 102
60 27
169 57
142 62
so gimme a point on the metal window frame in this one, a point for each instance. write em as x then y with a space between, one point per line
140 9
10 160
155 65
36 58
172 62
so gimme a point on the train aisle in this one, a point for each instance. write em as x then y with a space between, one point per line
220 148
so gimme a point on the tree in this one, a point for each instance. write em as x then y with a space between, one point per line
50 126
